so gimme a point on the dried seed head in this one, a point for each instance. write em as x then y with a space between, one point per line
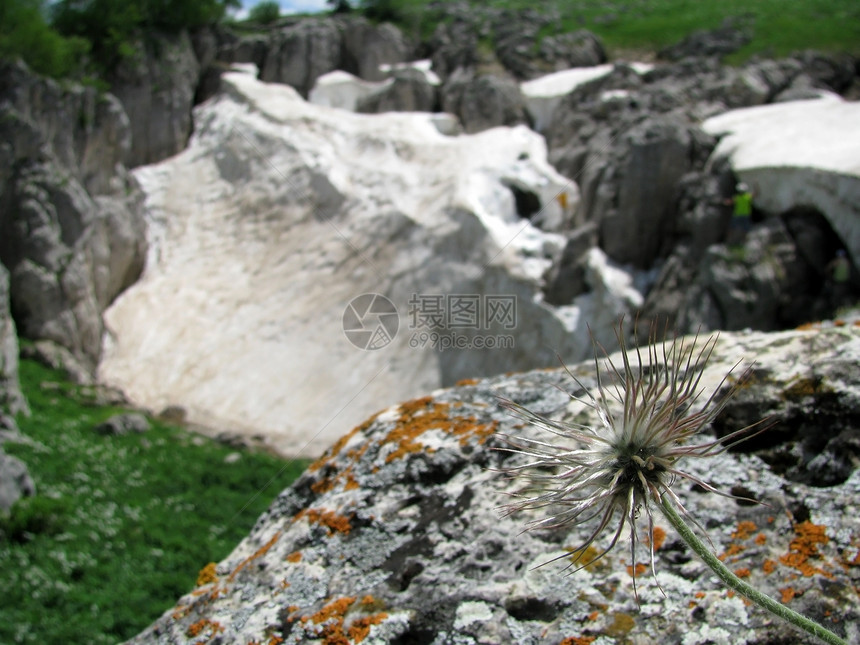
650 407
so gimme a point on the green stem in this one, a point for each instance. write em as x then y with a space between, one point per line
733 582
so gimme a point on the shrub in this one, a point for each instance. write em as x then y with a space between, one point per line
265 13
25 33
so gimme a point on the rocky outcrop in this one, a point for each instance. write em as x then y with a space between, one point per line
798 154
71 226
15 481
300 53
368 47
408 91
726 39
308 208
11 399
483 101
395 534
156 86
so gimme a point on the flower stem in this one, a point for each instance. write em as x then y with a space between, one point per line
733 582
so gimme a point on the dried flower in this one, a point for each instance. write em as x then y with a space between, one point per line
650 413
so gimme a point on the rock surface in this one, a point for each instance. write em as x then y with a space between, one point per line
395 536
15 481
287 211
11 399
156 87
71 223
799 153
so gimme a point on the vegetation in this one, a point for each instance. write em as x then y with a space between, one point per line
108 30
265 13
121 525
649 25
24 31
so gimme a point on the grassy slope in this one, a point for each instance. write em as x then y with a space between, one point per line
780 26
120 526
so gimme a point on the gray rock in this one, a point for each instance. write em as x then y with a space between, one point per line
652 158
123 424
726 39
410 91
396 533
367 46
15 481
483 101
454 46
566 278
71 223
11 398
579 48
156 87
299 54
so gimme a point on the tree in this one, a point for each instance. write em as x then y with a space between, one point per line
25 33
265 13
339 6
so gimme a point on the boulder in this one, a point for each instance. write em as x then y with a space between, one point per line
798 154
455 46
579 48
396 534
123 424
367 47
15 481
300 53
483 101
11 398
71 223
342 90
419 214
408 91
726 39
156 86
566 278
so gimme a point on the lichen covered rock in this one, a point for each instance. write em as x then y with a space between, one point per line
394 535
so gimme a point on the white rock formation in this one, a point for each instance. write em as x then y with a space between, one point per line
799 153
279 213
544 94
342 90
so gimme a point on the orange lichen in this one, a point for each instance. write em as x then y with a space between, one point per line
593 615
360 628
742 572
295 556
744 530
332 521
733 549
638 571
467 381
207 574
700 594
578 640
761 539
259 552
804 546
658 537
420 415
769 566
788 593
335 631
202 625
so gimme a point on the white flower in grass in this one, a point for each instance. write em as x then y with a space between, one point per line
651 410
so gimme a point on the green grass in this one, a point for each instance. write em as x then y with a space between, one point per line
780 27
120 526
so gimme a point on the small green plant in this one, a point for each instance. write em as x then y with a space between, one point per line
120 525
651 414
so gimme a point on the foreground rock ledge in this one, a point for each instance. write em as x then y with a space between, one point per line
394 535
